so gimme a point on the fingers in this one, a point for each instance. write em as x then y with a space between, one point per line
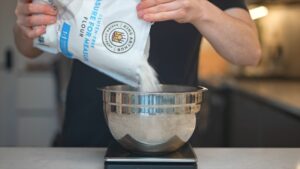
36 20
31 14
150 3
33 33
171 6
163 10
177 15
32 8
25 1
32 18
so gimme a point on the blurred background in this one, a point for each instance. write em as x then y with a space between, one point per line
245 106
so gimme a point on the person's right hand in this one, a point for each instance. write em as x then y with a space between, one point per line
32 18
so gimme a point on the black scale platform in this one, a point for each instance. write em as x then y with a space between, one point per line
118 158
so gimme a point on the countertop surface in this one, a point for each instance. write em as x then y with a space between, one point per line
92 158
284 94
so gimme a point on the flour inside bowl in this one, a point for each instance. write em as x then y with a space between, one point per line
153 129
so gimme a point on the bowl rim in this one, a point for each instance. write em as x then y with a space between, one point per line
196 90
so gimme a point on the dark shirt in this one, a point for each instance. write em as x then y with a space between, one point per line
173 54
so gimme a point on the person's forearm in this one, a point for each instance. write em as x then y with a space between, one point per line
227 32
24 44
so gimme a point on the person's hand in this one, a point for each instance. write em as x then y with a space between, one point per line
32 18
182 11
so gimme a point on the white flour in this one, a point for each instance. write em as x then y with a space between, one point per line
153 129
148 80
148 76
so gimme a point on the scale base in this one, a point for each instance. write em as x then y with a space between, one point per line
118 158
124 165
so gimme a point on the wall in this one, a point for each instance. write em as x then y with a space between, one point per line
28 110
211 63
7 79
280 38
279 34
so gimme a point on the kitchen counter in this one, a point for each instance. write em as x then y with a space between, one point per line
92 158
284 94
253 112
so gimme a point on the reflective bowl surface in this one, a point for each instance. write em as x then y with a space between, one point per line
152 122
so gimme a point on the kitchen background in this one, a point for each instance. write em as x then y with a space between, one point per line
245 106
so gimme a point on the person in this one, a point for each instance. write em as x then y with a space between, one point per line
175 42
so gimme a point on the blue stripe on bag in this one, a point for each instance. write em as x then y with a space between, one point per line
64 40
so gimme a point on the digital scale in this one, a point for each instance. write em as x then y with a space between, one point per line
117 157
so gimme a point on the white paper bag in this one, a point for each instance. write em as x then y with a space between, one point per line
104 34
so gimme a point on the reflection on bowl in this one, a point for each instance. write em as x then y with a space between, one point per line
157 122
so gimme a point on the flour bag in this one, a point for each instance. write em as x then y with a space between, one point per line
104 34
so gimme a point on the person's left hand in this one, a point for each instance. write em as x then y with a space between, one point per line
182 11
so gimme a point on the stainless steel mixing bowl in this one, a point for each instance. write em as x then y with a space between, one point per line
147 122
